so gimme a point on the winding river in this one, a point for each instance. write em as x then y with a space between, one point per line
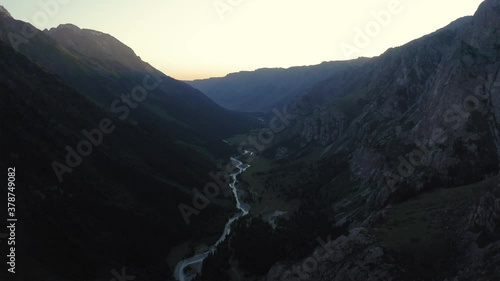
197 260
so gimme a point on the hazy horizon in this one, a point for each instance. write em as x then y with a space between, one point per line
196 40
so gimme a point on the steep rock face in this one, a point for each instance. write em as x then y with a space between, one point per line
96 44
420 116
4 12
324 125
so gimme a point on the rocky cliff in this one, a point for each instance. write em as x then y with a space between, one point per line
417 118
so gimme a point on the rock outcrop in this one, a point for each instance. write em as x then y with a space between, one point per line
486 216
420 116
352 257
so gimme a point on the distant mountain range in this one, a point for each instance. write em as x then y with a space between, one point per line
264 89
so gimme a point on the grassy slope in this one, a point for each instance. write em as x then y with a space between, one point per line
425 231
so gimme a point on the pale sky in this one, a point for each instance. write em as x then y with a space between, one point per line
189 39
